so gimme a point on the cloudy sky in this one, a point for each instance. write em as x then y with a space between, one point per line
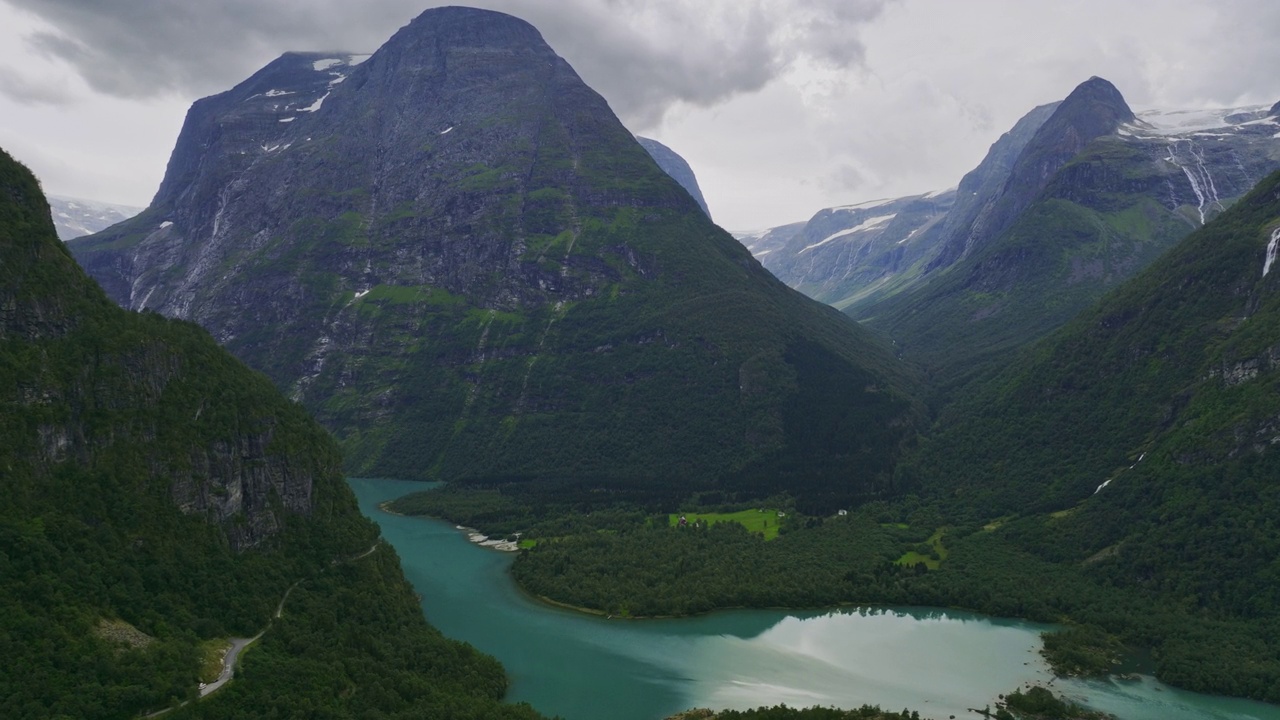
782 107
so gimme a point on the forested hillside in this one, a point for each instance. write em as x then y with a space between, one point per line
159 495
1149 423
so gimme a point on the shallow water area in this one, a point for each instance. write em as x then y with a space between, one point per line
583 667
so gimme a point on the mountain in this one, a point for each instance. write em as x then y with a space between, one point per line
675 166
762 242
1095 195
846 255
159 497
1140 443
1094 109
982 188
838 259
459 259
73 217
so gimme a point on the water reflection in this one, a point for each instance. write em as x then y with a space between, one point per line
940 662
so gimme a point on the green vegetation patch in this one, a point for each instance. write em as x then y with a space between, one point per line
482 177
1039 702
930 553
1082 651
766 521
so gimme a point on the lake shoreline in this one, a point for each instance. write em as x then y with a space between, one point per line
638 670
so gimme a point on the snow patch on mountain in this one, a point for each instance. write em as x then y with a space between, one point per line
860 227
315 105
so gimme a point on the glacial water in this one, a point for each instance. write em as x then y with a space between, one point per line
581 667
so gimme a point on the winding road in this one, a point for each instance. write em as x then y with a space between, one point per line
238 645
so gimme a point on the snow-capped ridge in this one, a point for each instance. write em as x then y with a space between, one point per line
1183 122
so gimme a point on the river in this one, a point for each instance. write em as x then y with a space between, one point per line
581 667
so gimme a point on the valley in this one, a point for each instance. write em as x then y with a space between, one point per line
1007 449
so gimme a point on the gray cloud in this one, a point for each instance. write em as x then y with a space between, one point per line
643 56
33 92
781 106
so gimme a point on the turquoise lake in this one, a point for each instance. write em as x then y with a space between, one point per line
581 667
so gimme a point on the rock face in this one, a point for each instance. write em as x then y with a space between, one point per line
981 188
675 166
455 254
105 384
73 217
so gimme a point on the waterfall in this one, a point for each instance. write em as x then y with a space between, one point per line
1198 175
1271 251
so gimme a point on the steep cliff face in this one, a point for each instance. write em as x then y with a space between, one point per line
458 257
981 188
675 166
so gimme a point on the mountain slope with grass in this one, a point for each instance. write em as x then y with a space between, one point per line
158 496
505 288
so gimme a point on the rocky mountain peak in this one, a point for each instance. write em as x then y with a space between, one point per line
1275 110
464 27
1095 108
